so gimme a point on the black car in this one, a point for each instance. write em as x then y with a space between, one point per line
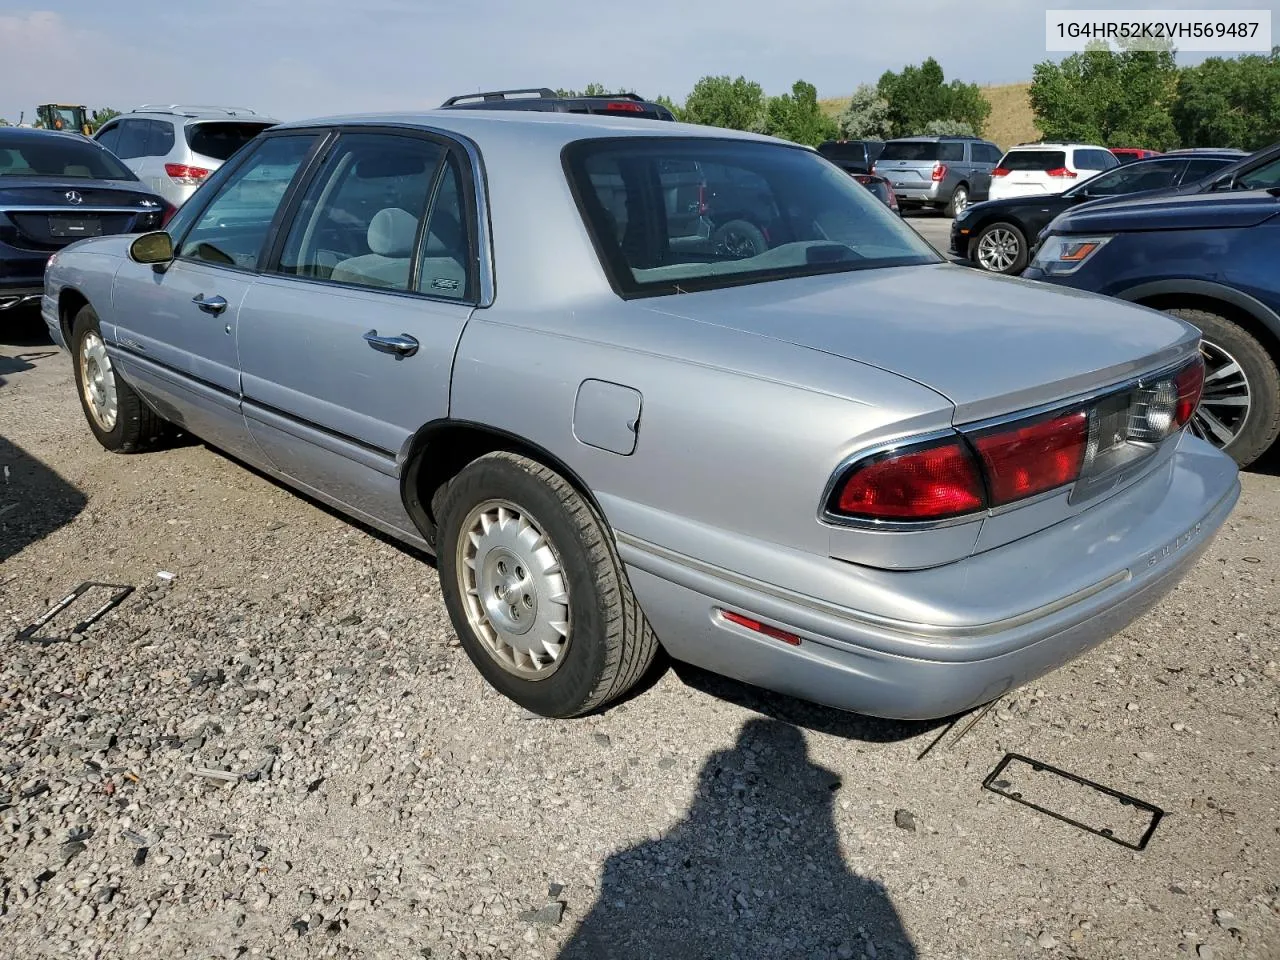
57 188
855 156
998 235
548 101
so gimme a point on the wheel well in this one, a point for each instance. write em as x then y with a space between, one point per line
441 450
1240 317
70 302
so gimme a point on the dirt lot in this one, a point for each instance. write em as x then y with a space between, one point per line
281 752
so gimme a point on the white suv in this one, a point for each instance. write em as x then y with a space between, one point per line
172 147
1030 169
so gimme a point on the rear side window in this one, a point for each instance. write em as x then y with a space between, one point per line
923 150
988 153
1095 160
133 140
1034 160
220 139
160 138
670 215
952 150
1199 169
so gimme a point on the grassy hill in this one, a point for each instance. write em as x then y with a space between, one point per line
1010 122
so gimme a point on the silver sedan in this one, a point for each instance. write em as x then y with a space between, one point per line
646 386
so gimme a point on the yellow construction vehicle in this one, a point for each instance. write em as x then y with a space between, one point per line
62 116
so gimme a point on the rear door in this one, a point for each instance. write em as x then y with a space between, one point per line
1090 161
346 344
151 165
175 329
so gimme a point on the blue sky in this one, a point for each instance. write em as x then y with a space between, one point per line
299 58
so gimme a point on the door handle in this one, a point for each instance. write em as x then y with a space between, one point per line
214 305
402 346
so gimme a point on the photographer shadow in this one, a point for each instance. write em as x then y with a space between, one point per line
755 870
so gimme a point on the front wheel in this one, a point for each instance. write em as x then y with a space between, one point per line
535 589
1001 248
119 419
1239 411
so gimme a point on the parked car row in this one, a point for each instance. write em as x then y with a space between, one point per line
823 459
1194 233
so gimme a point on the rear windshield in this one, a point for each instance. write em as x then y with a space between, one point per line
57 156
925 150
843 151
219 139
1034 160
673 215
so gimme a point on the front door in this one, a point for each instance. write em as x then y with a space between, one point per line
346 345
175 328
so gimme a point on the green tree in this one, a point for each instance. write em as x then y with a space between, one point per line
796 116
723 102
866 117
101 116
1111 98
948 128
920 94
1229 102
592 90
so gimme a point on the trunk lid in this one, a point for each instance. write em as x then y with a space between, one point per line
41 213
990 344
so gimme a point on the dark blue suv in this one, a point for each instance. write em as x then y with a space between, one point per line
1212 259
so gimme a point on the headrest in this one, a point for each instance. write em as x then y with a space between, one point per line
392 232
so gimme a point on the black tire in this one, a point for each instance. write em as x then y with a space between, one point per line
1019 261
961 191
136 426
609 644
739 238
1261 425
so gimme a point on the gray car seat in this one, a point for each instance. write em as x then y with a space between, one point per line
391 236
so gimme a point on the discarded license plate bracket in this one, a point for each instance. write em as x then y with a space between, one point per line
119 592
1001 781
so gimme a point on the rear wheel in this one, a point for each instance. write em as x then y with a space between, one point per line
959 201
1240 410
116 414
1001 248
739 239
535 589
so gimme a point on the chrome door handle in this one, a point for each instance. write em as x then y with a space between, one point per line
214 305
402 346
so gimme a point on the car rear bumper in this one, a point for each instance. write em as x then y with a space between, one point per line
925 192
1134 548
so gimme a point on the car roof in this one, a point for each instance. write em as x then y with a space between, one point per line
494 126
197 112
20 134
927 137
1050 145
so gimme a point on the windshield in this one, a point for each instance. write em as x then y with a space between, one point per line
672 215
1034 160
63 157
219 140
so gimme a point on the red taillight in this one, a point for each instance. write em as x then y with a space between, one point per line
184 174
1061 172
928 483
939 171
1000 172
1190 385
762 628
862 178
1032 458
624 107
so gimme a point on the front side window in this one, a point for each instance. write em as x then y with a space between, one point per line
671 215
1199 169
231 230
360 220
109 136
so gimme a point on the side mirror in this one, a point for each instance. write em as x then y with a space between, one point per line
154 248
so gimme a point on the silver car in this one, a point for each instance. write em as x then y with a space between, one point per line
840 467
173 147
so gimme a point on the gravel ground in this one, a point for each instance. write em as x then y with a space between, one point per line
280 751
